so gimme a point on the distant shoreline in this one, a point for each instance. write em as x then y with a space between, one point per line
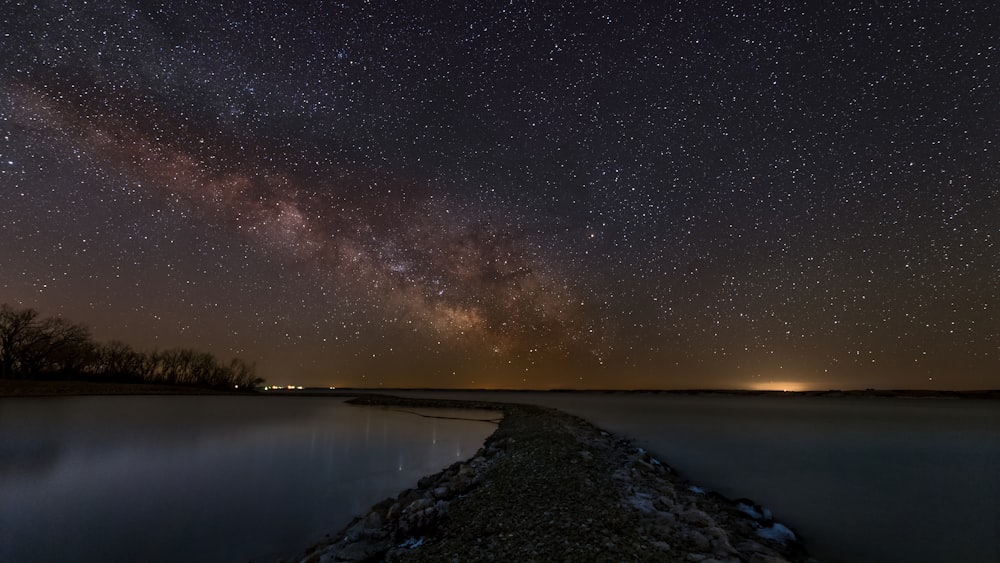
48 388
851 393
56 388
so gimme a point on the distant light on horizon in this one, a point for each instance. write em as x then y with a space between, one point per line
790 386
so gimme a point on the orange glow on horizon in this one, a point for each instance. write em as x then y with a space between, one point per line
779 386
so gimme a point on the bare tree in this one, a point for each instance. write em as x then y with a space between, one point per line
14 328
117 361
243 375
30 346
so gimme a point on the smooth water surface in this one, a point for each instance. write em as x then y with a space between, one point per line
218 479
862 479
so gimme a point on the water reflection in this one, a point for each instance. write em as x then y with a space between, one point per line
203 478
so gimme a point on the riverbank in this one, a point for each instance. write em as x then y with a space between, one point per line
54 388
548 486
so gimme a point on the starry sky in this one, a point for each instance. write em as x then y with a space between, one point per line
514 194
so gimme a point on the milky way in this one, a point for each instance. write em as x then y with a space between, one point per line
523 195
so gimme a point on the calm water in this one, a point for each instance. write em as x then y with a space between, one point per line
205 478
863 480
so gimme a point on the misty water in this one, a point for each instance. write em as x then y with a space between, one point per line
206 478
861 479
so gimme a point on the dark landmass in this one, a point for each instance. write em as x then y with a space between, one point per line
548 486
897 393
43 388
34 388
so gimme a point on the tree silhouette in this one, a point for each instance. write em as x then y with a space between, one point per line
32 347
14 329
117 361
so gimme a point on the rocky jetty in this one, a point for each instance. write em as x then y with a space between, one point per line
548 486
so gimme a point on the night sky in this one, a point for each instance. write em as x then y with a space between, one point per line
511 194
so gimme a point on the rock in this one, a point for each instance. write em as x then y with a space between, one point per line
418 505
750 546
393 511
442 492
643 465
642 502
698 541
720 541
373 521
698 517
765 558
664 502
777 532
408 496
360 551
355 531
661 545
667 520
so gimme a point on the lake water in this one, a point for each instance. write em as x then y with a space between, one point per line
219 479
862 479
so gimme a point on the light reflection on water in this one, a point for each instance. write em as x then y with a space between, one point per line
204 478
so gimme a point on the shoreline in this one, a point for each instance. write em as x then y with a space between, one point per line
60 388
50 388
549 486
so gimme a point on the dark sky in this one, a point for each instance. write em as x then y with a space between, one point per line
511 194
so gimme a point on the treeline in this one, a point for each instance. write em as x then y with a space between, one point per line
33 347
